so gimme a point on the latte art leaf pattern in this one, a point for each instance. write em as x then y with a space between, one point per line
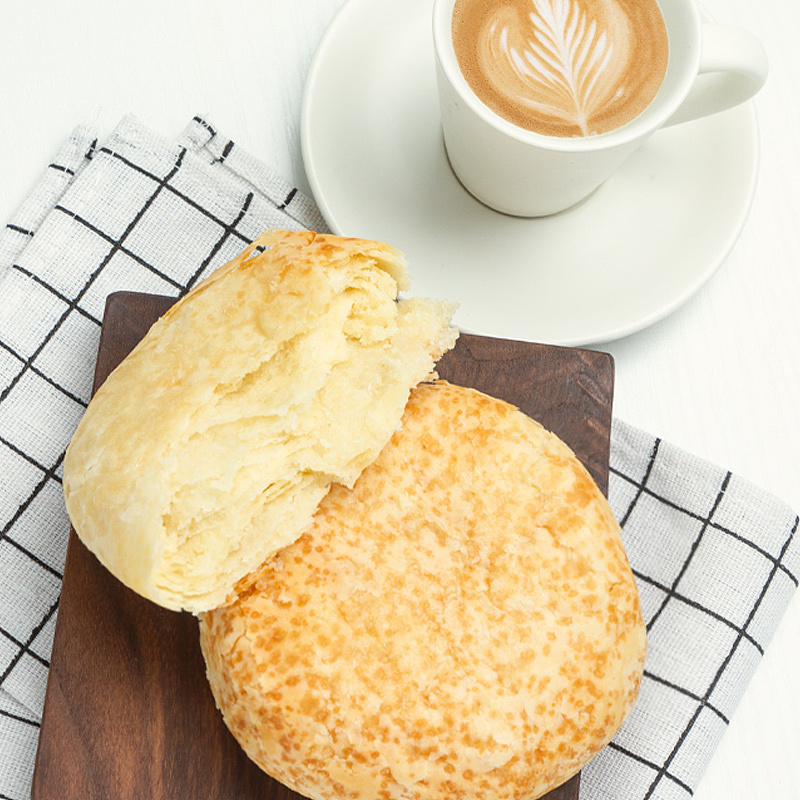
560 61
562 67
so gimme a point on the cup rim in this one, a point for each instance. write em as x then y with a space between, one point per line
658 112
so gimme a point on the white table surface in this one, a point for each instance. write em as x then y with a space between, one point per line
719 377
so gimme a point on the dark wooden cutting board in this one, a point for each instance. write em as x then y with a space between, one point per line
128 713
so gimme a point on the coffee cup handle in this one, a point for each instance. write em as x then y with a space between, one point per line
733 68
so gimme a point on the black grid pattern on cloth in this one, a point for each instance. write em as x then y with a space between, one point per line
144 213
692 681
158 216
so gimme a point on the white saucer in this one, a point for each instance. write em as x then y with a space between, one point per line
634 251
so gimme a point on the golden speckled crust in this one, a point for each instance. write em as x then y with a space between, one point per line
212 443
462 623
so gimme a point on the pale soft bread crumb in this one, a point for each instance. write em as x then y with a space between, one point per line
213 442
462 624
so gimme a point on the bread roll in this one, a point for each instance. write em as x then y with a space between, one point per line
462 623
212 444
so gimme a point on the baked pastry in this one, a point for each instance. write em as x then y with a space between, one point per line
462 623
212 443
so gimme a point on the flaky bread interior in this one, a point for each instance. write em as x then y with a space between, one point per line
462 623
212 443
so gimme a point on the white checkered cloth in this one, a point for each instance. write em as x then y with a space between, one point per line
714 557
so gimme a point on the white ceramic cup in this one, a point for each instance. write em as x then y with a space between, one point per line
516 171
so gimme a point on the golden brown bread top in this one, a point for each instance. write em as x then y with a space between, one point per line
211 445
463 623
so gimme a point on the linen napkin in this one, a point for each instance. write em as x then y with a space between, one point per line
715 558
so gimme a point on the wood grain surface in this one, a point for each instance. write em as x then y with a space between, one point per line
128 713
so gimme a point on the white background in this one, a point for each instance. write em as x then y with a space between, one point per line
719 377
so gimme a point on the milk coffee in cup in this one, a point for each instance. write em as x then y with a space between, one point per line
562 67
710 67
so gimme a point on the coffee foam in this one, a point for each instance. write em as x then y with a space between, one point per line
562 67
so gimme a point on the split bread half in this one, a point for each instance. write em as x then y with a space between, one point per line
213 442
462 623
